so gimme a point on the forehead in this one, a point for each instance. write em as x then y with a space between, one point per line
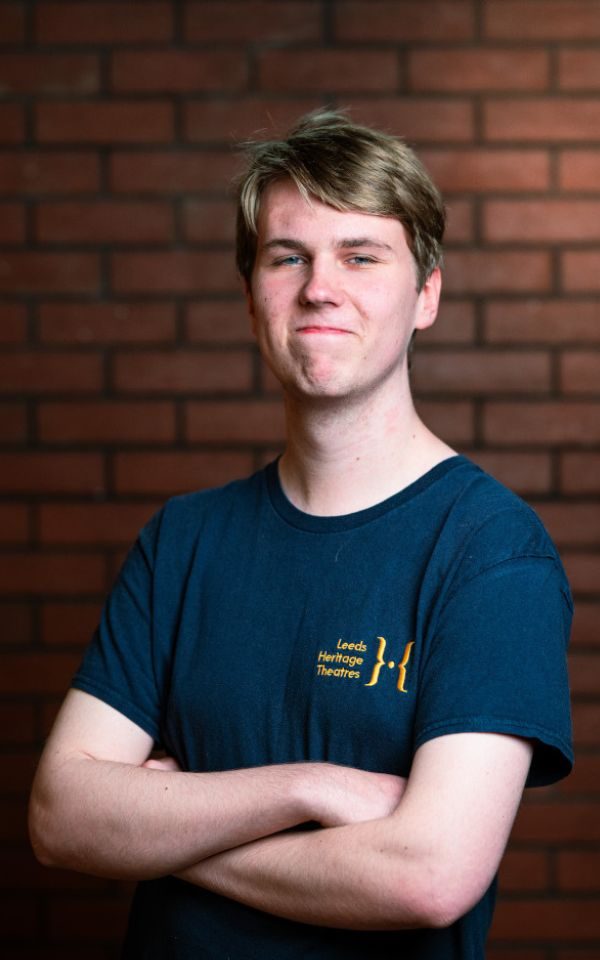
285 214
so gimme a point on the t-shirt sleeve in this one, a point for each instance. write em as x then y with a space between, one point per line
120 664
497 662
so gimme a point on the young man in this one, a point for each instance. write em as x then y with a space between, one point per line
355 659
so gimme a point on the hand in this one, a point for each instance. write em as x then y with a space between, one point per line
347 795
168 764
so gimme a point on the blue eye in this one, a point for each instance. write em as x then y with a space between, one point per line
360 259
289 261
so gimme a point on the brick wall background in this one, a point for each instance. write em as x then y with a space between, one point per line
128 373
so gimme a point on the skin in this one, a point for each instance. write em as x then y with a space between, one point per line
333 301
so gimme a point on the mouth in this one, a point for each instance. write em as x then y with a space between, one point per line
322 330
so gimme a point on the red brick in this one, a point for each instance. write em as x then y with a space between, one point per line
18 918
584 783
17 723
171 473
486 271
51 573
172 172
179 71
183 371
68 624
579 170
484 170
499 953
394 22
555 824
13 422
480 69
340 70
50 473
571 523
460 225
232 120
97 919
583 571
17 623
24 873
13 822
12 23
542 321
107 422
481 371
586 624
542 20
248 21
578 870
12 123
101 323
581 271
100 222
34 272
48 74
542 423
209 221
36 172
422 119
524 870
218 321
450 419
259 421
548 920
527 473
579 69
586 726
37 672
550 119
580 472
580 372
14 523
114 122
31 372
178 271
577 954
13 322
543 221
455 324
93 523
12 223
103 23
18 770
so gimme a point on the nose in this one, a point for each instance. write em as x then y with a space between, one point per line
322 284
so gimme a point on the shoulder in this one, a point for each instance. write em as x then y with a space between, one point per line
183 519
487 524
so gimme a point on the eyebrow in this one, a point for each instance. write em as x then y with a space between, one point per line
347 243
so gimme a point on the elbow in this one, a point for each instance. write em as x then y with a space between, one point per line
440 895
43 835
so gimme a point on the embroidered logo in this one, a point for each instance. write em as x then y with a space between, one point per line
345 662
380 662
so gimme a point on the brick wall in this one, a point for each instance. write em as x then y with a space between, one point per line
127 370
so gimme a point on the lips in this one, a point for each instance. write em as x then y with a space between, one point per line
322 330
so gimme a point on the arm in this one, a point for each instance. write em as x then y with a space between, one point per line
96 808
424 865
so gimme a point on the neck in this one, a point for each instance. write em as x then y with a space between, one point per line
341 460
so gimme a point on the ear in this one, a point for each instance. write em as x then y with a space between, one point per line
429 299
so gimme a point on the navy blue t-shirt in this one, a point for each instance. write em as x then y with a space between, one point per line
243 632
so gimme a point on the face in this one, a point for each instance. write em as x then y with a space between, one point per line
333 297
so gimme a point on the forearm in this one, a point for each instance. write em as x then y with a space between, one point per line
350 877
422 865
120 820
